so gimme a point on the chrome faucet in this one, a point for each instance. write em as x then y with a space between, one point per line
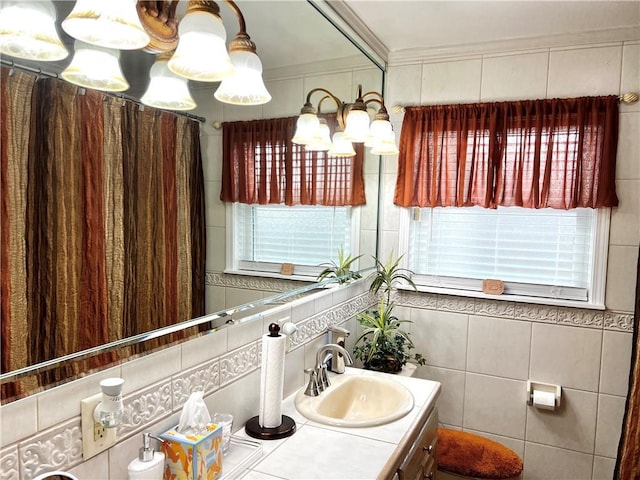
318 379
337 335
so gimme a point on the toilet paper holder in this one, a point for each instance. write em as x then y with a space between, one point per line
544 388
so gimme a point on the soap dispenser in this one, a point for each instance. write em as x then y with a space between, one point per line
150 464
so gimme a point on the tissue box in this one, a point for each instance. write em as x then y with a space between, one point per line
192 457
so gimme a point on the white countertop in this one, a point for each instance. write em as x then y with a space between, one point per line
317 451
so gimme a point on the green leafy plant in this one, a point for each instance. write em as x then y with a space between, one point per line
340 270
383 344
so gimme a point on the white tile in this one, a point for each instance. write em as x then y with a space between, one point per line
581 72
214 208
630 74
216 249
441 337
370 79
369 212
96 467
628 158
241 113
403 88
603 468
294 376
567 356
214 299
515 77
60 403
495 405
302 310
610 417
240 398
151 368
287 98
245 332
252 475
451 82
545 463
302 449
499 347
208 107
573 426
616 360
451 399
211 150
625 218
239 296
338 84
621 278
19 420
204 348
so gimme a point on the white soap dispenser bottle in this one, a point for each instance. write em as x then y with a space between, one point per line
150 464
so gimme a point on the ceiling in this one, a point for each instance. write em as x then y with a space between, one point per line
400 29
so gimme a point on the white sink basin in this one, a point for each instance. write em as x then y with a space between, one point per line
357 401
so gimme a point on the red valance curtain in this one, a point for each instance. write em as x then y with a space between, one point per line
102 226
260 165
556 153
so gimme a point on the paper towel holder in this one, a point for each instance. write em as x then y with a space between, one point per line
556 390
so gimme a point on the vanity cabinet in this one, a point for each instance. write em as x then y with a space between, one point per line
420 461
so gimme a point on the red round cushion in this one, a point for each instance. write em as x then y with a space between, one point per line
474 456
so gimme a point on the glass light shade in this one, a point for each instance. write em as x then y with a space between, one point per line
110 24
341 147
385 145
357 126
28 30
377 129
167 90
322 143
245 86
95 67
307 128
202 52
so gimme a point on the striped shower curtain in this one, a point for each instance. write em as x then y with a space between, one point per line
102 222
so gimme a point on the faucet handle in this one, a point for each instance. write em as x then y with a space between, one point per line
312 389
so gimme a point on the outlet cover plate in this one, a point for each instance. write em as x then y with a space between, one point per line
90 446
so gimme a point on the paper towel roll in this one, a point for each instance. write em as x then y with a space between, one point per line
545 400
272 379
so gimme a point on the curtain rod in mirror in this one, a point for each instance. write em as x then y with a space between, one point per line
39 71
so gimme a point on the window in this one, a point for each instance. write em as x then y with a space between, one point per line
266 236
539 254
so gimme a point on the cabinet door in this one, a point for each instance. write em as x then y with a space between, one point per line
420 464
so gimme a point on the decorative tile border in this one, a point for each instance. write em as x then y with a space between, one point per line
239 363
205 378
219 279
578 317
59 448
9 465
144 407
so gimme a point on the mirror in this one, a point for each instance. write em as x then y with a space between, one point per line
300 49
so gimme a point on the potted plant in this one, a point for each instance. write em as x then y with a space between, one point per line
384 345
340 270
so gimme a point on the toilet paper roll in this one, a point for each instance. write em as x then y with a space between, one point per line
272 380
544 400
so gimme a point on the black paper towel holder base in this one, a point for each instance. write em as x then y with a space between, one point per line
286 429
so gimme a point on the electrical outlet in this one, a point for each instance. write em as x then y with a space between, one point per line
95 437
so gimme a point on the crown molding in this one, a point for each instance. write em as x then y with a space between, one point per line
421 54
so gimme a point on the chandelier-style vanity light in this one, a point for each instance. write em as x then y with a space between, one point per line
353 126
191 48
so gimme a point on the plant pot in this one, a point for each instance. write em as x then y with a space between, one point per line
386 364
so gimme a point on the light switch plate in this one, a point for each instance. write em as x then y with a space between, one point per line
94 440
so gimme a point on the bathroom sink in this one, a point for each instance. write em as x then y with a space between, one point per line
357 401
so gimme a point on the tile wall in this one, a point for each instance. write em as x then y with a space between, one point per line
483 351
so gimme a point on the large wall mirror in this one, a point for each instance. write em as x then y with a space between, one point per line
301 48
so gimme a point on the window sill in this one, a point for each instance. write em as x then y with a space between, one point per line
279 276
558 302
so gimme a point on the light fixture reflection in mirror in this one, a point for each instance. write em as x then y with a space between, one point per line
353 123
95 67
166 89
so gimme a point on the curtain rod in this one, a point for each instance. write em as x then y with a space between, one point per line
39 71
627 98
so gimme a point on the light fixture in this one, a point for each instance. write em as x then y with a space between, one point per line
112 24
353 125
28 31
95 67
198 43
202 52
166 89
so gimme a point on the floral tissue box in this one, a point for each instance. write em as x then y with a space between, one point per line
193 457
